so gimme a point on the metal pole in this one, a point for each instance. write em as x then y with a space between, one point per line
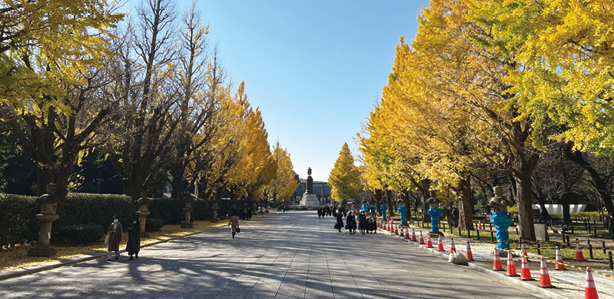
492 237
603 245
610 259
539 251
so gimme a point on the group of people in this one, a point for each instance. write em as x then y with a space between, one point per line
365 224
114 237
282 208
326 211
244 214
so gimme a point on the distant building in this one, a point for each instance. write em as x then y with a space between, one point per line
320 189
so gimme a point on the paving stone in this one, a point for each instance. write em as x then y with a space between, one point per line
286 255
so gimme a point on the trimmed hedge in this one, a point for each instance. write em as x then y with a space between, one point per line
18 223
78 234
153 224
99 209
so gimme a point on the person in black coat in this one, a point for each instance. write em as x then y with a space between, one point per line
351 223
249 214
134 239
362 223
372 226
339 224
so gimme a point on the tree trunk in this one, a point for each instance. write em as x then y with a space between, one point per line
525 207
465 207
426 187
408 206
566 214
378 200
390 203
177 176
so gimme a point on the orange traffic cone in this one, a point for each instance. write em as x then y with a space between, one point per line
396 229
429 242
413 235
452 247
496 264
439 244
579 253
590 292
407 234
468 254
558 262
391 224
544 277
525 272
422 239
480 225
511 268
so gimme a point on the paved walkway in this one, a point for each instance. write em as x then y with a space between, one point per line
288 255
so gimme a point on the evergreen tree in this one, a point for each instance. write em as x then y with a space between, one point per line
344 179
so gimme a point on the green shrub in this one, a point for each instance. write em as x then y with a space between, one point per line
78 234
201 209
98 208
153 224
170 210
18 223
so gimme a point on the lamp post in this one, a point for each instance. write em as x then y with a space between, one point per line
500 217
434 212
49 204
402 211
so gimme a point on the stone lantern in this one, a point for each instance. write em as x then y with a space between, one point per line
500 218
402 211
434 212
187 199
254 207
49 204
214 208
143 212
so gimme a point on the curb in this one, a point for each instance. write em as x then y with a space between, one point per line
18 273
485 270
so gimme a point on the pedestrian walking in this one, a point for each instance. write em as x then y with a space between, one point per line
363 223
339 224
234 225
114 237
134 239
249 214
351 223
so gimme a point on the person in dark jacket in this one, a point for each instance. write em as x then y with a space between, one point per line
249 214
372 225
339 224
351 223
363 223
134 239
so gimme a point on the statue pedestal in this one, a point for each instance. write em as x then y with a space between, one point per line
309 200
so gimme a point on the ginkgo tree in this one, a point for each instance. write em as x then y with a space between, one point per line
344 178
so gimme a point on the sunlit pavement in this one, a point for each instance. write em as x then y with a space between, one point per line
283 255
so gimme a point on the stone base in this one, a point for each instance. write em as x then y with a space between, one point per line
309 200
187 225
42 251
144 234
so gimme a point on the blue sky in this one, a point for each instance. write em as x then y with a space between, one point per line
315 68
